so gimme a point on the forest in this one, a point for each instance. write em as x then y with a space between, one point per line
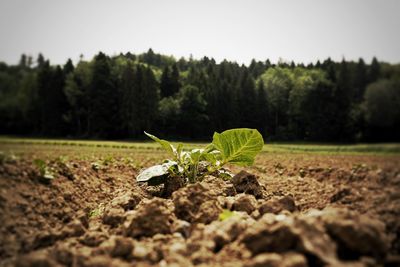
120 96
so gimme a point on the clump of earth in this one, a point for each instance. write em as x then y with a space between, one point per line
282 213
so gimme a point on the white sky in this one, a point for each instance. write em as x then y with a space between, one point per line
238 30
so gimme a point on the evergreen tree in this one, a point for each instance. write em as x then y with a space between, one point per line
342 96
360 80
103 99
374 71
68 67
246 100
149 105
52 100
128 101
40 61
165 85
261 108
175 84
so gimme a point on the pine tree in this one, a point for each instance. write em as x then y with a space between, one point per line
103 99
261 108
374 71
360 80
128 111
175 84
165 85
68 67
246 101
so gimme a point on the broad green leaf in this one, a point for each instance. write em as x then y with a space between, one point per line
164 143
179 151
195 155
213 157
238 146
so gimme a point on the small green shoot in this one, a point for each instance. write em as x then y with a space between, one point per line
226 214
45 171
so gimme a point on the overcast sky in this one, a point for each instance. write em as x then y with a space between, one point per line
238 30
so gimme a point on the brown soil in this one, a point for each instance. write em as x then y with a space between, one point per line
294 210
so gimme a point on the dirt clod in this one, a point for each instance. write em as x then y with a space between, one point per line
152 217
247 183
356 234
244 202
196 203
278 204
114 217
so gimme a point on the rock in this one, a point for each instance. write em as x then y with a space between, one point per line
276 205
356 234
247 183
151 217
246 203
114 217
196 203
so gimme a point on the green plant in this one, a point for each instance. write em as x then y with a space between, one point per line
226 214
45 171
236 146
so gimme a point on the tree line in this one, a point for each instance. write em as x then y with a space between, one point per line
119 97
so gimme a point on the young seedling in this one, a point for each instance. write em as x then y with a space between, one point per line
236 146
45 172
